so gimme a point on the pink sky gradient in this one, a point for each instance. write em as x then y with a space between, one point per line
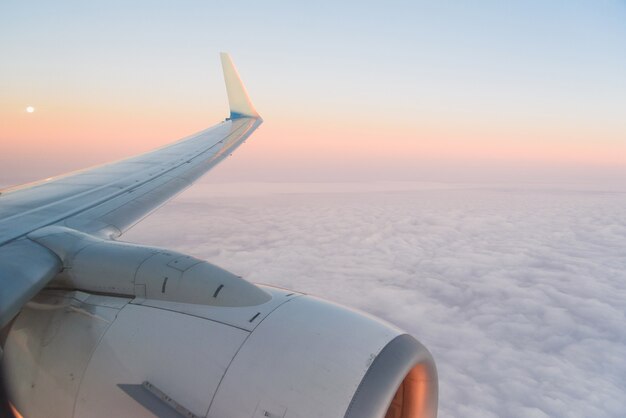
52 141
520 93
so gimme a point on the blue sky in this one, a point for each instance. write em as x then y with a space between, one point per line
533 85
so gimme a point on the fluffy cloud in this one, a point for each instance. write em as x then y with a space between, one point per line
520 295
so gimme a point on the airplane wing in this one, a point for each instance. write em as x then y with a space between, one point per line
107 200
124 329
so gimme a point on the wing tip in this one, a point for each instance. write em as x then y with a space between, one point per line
240 104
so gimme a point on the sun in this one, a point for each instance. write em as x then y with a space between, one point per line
30 109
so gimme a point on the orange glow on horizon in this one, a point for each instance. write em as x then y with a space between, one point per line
68 137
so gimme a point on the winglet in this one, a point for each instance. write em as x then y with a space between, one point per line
240 104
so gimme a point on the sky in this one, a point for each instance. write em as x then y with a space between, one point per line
350 91
518 293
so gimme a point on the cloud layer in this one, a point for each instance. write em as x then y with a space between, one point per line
519 294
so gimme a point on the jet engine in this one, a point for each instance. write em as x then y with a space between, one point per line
127 330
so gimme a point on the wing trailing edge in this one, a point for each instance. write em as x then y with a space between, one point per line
240 104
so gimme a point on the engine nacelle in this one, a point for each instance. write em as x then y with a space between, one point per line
153 332
70 353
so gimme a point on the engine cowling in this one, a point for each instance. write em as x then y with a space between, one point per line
280 354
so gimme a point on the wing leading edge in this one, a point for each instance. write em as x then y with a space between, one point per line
109 199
